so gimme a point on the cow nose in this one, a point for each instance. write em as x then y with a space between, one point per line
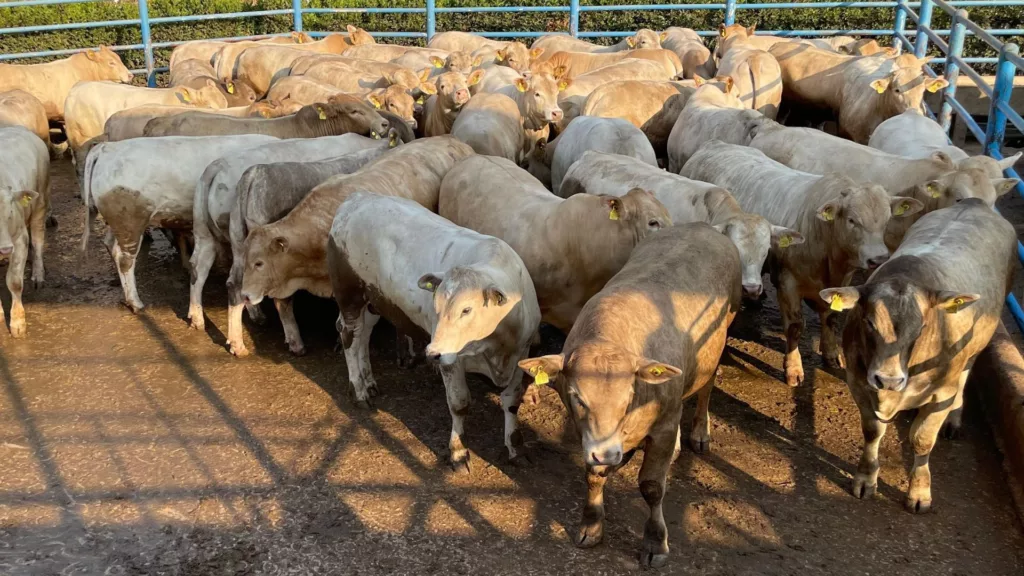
461 95
896 384
6 250
877 261
752 291
432 354
606 458
556 115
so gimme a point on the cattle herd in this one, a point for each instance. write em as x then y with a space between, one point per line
470 190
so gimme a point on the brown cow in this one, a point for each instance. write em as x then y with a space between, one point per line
651 338
197 74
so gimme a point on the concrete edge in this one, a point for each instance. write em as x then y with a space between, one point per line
998 379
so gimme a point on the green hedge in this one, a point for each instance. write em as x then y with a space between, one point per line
822 19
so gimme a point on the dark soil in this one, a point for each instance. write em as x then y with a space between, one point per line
132 445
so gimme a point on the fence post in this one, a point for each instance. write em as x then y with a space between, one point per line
431 20
900 26
147 43
1005 71
297 15
956 49
730 12
574 18
924 20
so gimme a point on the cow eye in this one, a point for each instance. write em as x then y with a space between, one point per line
258 264
466 311
654 223
537 94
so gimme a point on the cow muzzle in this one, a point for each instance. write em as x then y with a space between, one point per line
752 291
461 97
6 250
251 299
608 457
555 115
877 261
886 382
435 355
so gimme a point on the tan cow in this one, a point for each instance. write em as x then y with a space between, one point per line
90 104
690 49
569 264
745 34
198 74
515 55
755 73
866 47
390 52
572 99
433 65
52 82
936 181
261 66
914 135
687 201
644 38
451 94
306 91
713 112
364 76
842 221
131 123
917 326
469 293
226 58
19 108
611 135
491 124
862 91
573 64
650 339
206 50
288 255
652 106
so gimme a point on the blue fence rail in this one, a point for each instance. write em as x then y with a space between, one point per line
911 31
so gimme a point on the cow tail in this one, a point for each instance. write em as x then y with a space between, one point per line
90 210
753 86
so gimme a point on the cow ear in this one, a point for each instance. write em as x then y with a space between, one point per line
783 237
1007 163
663 36
183 96
889 51
543 368
631 41
351 29
437 62
722 31
751 29
425 75
495 295
827 212
542 144
881 85
564 83
652 372
614 206
92 54
499 56
535 53
376 100
429 282
428 88
945 159
903 206
1004 185
840 299
475 77
953 302
230 87
478 61
722 228
936 84
25 198
698 80
279 244
560 71
522 84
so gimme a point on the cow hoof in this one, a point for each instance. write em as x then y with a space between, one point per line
589 535
364 404
239 350
197 322
37 283
835 361
297 349
372 390
700 445
135 308
862 488
651 560
460 462
794 379
18 328
918 505
51 221
951 431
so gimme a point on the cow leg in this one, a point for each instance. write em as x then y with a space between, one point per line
793 324
591 529
37 231
15 283
951 429
454 376
236 344
124 260
406 350
865 481
511 399
355 325
292 337
923 433
829 344
653 473
700 434
199 270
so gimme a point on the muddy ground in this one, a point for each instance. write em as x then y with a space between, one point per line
132 445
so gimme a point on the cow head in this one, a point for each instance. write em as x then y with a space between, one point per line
639 210
14 207
888 318
516 56
994 168
208 96
357 36
238 93
397 100
731 35
957 182
458 61
342 114
469 308
301 38
108 66
538 102
269 263
857 216
597 382
645 39
721 89
452 88
904 82
403 77
866 47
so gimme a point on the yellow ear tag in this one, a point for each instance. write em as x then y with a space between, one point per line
934 191
376 104
828 215
25 200
613 215
430 285
498 57
392 140
540 377
785 242
321 113
837 303
186 98
562 85
933 87
901 210
656 371
879 88
957 304
231 87
438 64
419 100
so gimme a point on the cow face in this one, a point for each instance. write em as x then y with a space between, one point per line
515 55
397 100
14 205
460 62
539 100
238 93
453 88
268 261
469 308
357 36
753 237
597 383
889 317
857 220
961 183
904 85
644 39
341 115
108 65
639 210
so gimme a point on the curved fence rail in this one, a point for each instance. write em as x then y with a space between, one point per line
911 31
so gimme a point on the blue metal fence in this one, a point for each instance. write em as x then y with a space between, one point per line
918 37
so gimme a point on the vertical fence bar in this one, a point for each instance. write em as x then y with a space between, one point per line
1005 71
431 20
900 26
730 12
924 20
574 18
297 15
147 43
956 49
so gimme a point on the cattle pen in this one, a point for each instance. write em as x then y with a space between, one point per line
130 444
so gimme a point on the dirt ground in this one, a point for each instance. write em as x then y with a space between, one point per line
132 445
